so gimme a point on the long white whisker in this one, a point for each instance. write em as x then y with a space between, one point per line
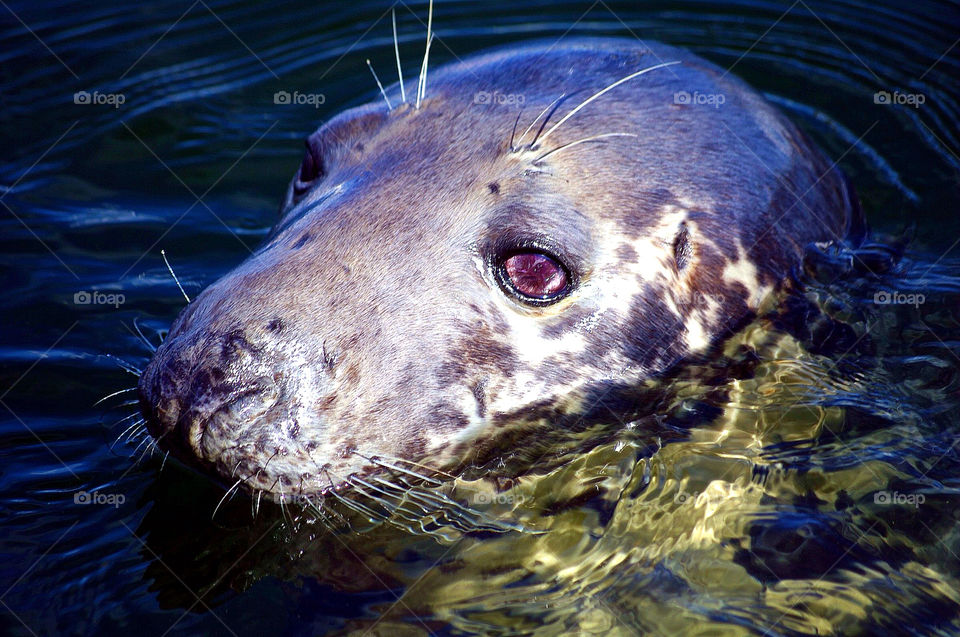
537 119
396 50
581 141
150 448
125 366
380 86
116 393
422 83
603 91
175 279
356 506
382 455
378 460
129 429
125 419
146 341
225 495
136 451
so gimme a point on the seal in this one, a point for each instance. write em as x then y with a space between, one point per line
453 274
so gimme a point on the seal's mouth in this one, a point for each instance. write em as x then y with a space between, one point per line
221 416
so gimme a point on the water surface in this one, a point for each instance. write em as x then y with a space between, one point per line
815 493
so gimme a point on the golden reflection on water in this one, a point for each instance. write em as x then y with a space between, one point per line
665 541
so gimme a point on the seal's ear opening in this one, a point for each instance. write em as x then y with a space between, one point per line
328 146
312 168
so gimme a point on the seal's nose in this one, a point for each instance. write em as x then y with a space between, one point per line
198 379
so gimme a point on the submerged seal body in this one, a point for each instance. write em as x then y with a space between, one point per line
444 277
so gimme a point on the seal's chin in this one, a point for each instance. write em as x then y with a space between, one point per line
273 465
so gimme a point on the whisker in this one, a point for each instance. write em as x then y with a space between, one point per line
514 131
125 419
396 49
136 450
148 451
390 507
411 510
223 499
175 279
603 91
136 437
381 455
394 507
138 423
537 119
388 465
145 340
116 393
581 141
322 517
164 463
371 515
125 366
444 502
423 89
380 86
422 83
282 501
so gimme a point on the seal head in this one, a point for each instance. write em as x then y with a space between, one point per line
446 277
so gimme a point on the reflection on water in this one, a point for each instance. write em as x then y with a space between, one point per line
804 481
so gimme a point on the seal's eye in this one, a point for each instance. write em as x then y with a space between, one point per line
534 277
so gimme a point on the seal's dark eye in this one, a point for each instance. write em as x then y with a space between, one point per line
535 277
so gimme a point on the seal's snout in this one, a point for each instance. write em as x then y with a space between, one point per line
203 394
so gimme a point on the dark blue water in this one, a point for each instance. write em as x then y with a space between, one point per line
194 161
